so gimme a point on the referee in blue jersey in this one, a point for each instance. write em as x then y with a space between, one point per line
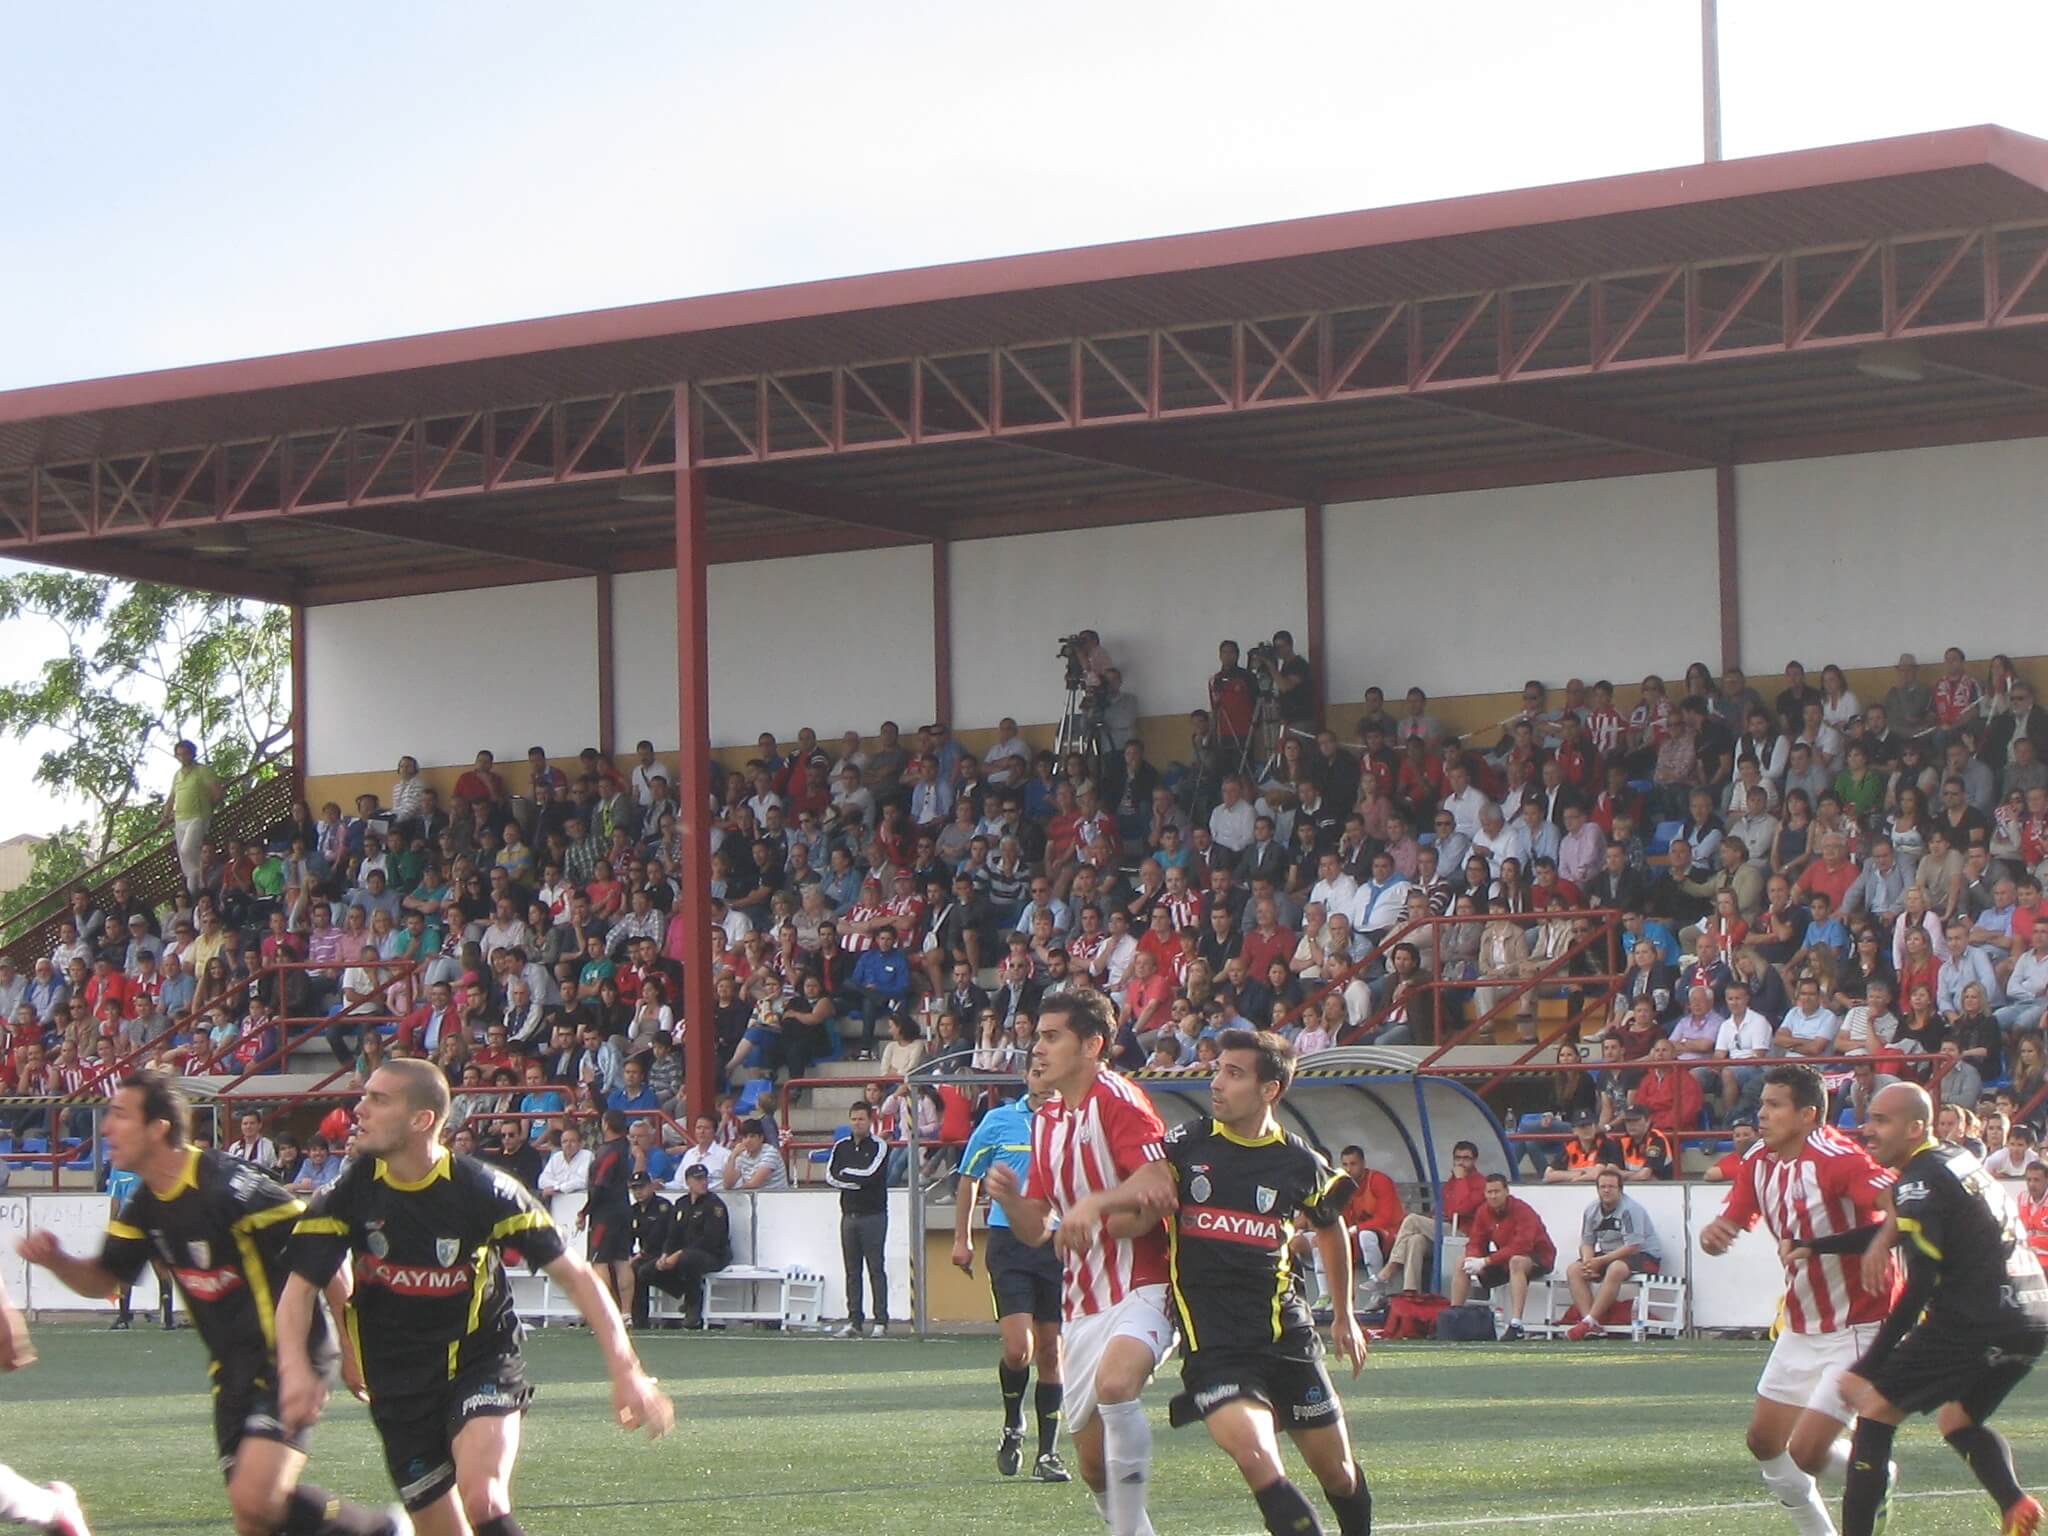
1024 1282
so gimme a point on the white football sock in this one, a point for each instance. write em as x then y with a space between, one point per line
1837 1469
1798 1493
1127 1458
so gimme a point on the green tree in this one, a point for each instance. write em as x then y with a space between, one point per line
137 668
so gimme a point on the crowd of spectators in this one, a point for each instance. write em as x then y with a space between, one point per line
1809 874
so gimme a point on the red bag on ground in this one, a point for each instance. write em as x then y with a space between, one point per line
1412 1314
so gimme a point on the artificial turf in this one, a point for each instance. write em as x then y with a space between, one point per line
796 1436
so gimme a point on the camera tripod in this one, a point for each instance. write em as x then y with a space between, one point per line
1262 735
1081 729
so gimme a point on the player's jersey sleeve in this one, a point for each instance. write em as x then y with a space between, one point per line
1136 1134
515 1216
1741 1206
1325 1191
320 1237
1921 1200
1857 1178
126 1248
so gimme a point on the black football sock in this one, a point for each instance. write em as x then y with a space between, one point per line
1287 1512
504 1525
1353 1509
311 1511
1047 1400
1985 1451
1870 1454
1014 1379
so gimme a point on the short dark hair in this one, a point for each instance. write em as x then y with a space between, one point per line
1803 1083
1087 1014
1497 1178
1464 1146
615 1121
161 1100
1354 1148
1276 1056
752 1126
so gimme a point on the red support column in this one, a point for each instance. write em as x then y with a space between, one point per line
693 772
299 759
605 745
1731 600
942 631
1312 643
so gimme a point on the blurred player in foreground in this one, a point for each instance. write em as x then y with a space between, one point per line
432 1315
51 1507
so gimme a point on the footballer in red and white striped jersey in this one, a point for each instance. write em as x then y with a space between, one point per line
1832 1186
1081 1149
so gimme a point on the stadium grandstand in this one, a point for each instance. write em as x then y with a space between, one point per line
1469 637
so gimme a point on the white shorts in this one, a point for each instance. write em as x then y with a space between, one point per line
1805 1369
1141 1315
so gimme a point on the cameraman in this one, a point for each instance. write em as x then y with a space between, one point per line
1231 695
1116 710
1294 695
1089 655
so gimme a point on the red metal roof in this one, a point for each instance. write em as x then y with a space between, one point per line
1669 402
1804 197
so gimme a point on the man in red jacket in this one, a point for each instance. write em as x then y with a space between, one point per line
1373 1213
1508 1246
1464 1192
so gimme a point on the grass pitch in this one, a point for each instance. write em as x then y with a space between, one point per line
804 1436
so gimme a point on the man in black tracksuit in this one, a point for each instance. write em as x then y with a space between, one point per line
857 1170
699 1242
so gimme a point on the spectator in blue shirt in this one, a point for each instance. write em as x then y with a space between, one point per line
540 1098
633 1096
1636 926
881 978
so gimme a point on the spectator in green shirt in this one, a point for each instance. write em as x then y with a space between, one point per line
195 791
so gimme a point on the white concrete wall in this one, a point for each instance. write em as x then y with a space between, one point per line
830 641
1160 594
1882 534
1476 591
415 675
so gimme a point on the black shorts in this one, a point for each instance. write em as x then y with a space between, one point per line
1291 1382
1934 1364
246 1409
611 1237
419 1431
1022 1278
1497 1274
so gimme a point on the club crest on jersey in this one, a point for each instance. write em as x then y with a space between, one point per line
201 1252
1199 1188
375 1240
1263 1198
446 1248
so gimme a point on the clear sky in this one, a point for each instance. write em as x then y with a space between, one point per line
196 183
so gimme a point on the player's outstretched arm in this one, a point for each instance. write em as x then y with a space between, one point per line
88 1277
1132 1207
637 1398
301 1394
1334 1244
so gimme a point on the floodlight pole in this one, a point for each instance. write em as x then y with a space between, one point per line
1710 77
